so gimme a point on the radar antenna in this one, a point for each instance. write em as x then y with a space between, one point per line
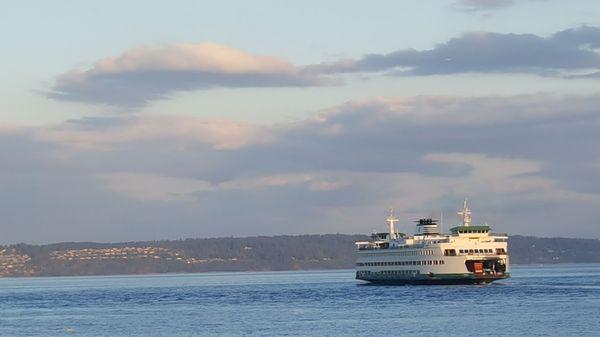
465 213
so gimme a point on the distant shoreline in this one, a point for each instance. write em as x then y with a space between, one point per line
249 254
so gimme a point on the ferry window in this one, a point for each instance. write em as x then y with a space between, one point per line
470 251
450 252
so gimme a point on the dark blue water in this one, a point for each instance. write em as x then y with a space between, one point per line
557 300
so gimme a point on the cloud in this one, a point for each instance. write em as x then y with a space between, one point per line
165 188
565 53
528 162
144 73
108 132
487 5
479 5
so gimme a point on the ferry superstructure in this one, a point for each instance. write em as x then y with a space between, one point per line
469 254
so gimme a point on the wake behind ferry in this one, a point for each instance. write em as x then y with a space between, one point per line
470 254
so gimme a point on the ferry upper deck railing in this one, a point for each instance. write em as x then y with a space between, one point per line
499 234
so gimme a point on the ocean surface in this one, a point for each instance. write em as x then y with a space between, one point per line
551 300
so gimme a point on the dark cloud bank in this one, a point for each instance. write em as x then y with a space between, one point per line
530 163
567 51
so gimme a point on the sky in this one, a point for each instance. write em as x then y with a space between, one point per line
145 120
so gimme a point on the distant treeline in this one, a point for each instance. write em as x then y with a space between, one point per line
332 251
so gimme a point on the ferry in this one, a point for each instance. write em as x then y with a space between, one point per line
469 254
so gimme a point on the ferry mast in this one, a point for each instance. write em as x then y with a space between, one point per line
391 220
465 213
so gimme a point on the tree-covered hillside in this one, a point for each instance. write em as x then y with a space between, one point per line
241 254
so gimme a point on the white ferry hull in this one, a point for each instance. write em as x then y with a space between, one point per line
431 279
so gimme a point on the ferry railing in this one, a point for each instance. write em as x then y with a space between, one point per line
499 234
